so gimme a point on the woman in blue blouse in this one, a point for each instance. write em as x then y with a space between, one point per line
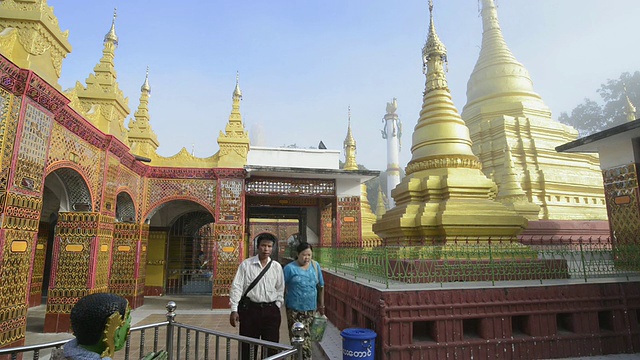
304 292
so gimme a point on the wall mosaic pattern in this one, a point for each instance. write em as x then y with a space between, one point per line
230 203
37 274
229 241
100 274
349 221
134 184
110 185
67 147
34 141
75 234
16 266
9 114
621 192
123 265
161 191
298 187
326 227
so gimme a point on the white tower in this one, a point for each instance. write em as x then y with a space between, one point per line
392 132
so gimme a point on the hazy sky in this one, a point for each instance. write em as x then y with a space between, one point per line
303 63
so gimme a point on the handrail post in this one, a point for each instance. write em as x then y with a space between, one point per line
298 338
171 318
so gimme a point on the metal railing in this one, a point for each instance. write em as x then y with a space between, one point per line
181 341
489 261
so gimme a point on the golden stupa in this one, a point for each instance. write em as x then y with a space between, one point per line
445 194
504 113
368 218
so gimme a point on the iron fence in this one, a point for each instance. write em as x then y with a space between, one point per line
484 260
181 341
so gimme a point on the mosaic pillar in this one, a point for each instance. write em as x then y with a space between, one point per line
229 233
140 267
27 105
348 228
37 273
327 228
17 241
124 260
623 208
80 266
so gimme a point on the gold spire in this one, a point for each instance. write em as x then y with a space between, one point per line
142 139
350 148
145 87
103 91
440 138
111 35
630 109
236 92
381 209
234 142
497 73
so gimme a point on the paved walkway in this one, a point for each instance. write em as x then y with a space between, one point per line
195 310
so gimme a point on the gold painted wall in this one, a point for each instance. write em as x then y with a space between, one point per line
155 271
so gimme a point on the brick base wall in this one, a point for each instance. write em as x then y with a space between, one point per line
551 321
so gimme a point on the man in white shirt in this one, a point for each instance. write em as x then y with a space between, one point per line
261 317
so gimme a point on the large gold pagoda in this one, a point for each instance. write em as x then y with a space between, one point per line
445 194
504 113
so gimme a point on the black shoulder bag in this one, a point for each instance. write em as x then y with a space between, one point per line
243 304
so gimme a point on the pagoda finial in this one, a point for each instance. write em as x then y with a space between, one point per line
350 147
237 93
145 86
111 35
630 109
434 50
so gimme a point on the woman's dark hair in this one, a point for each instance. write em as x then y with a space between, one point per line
303 246
89 316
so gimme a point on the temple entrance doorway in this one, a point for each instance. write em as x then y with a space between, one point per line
181 250
65 190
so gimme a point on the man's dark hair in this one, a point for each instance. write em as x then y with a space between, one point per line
89 316
265 237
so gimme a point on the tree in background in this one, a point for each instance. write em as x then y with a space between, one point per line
590 117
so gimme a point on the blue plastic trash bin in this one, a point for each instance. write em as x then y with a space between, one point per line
358 344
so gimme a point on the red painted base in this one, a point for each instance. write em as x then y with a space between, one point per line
153 291
220 302
522 322
565 232
35 300
11 345
55 323
135 301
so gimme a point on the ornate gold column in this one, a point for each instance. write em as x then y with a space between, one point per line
229 233
80 266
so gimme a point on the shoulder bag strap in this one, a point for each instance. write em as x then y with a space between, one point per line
315 267
255 281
